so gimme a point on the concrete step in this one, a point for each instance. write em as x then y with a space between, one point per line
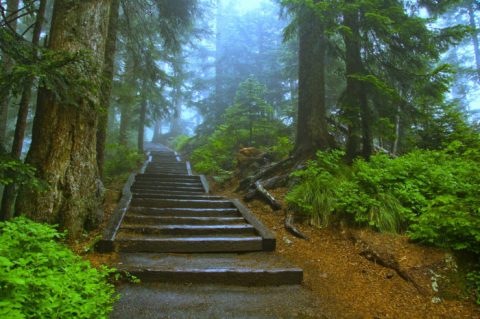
169 183
167 177
189 230
138 219
185 212
166 192
180 203
251 269
185 189
146 194
193 244
167 165
164 171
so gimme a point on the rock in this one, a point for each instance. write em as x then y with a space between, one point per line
287 241
390 275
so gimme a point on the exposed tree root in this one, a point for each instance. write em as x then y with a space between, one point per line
289 219
386 260
264 194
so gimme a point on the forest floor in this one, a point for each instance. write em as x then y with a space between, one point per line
350 286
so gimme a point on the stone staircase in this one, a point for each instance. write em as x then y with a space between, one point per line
168 228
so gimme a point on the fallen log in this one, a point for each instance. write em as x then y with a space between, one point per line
289 219
265 173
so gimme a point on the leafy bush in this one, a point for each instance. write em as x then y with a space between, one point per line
41 278
13 171
121 160
431 194
179 142
248 122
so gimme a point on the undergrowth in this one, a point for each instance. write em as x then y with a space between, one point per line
431 195
41 278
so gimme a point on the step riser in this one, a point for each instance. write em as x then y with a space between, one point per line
142 195
168 184
226 277
136 188
169 192
188 231
201 246
180 204
167 177
145 220
191 214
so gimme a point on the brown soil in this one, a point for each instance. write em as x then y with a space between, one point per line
351 286
85 246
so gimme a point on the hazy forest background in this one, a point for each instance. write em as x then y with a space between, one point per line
372 109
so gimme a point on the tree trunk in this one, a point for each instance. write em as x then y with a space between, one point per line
218 63
157 131
473 25
19 135
355 102
128 99
108 73
12 13
63 146
312 129
398 123
141 122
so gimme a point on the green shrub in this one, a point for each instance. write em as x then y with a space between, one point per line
179 142
13 171
121 160
248 122
431 194
41 278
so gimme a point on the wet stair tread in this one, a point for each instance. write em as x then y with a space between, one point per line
141 219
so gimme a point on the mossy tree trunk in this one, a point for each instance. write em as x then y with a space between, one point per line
312 130
63 145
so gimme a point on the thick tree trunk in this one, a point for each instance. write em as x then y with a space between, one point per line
12 10
19 135
312 129
476 48
108 73
355 102
64 136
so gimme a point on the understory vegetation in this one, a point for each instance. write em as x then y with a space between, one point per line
431 195
41 278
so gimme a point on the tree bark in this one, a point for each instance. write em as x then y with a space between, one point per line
11 13
108 72
19 135
63 146
355 102
312 130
